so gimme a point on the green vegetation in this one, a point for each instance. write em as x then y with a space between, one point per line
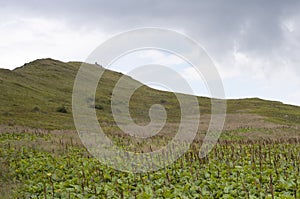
244 169
274 111
62 109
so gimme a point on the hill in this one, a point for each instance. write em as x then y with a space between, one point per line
39 94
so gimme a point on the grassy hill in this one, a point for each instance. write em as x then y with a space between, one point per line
38 94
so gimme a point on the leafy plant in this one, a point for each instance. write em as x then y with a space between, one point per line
240 169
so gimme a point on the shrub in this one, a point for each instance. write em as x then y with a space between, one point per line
99 107
36 109
62 109
163 101
7 114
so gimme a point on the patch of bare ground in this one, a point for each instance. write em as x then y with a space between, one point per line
238 125
251 126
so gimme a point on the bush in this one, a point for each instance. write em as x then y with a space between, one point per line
62 109
163 101
99 107
36 109
7 114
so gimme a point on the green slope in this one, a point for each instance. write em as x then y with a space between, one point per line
32 94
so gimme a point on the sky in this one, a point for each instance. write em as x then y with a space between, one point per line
255 44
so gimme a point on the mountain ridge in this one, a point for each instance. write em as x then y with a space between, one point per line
41 60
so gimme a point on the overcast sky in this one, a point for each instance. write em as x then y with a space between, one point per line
255 44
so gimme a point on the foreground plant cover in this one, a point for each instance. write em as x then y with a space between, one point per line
42 165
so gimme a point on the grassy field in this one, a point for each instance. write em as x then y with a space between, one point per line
41 155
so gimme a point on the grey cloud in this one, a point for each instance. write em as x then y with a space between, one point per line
255 26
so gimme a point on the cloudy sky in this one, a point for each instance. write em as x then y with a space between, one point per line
255 44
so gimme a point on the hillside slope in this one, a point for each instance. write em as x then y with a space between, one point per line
39 95
32 95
